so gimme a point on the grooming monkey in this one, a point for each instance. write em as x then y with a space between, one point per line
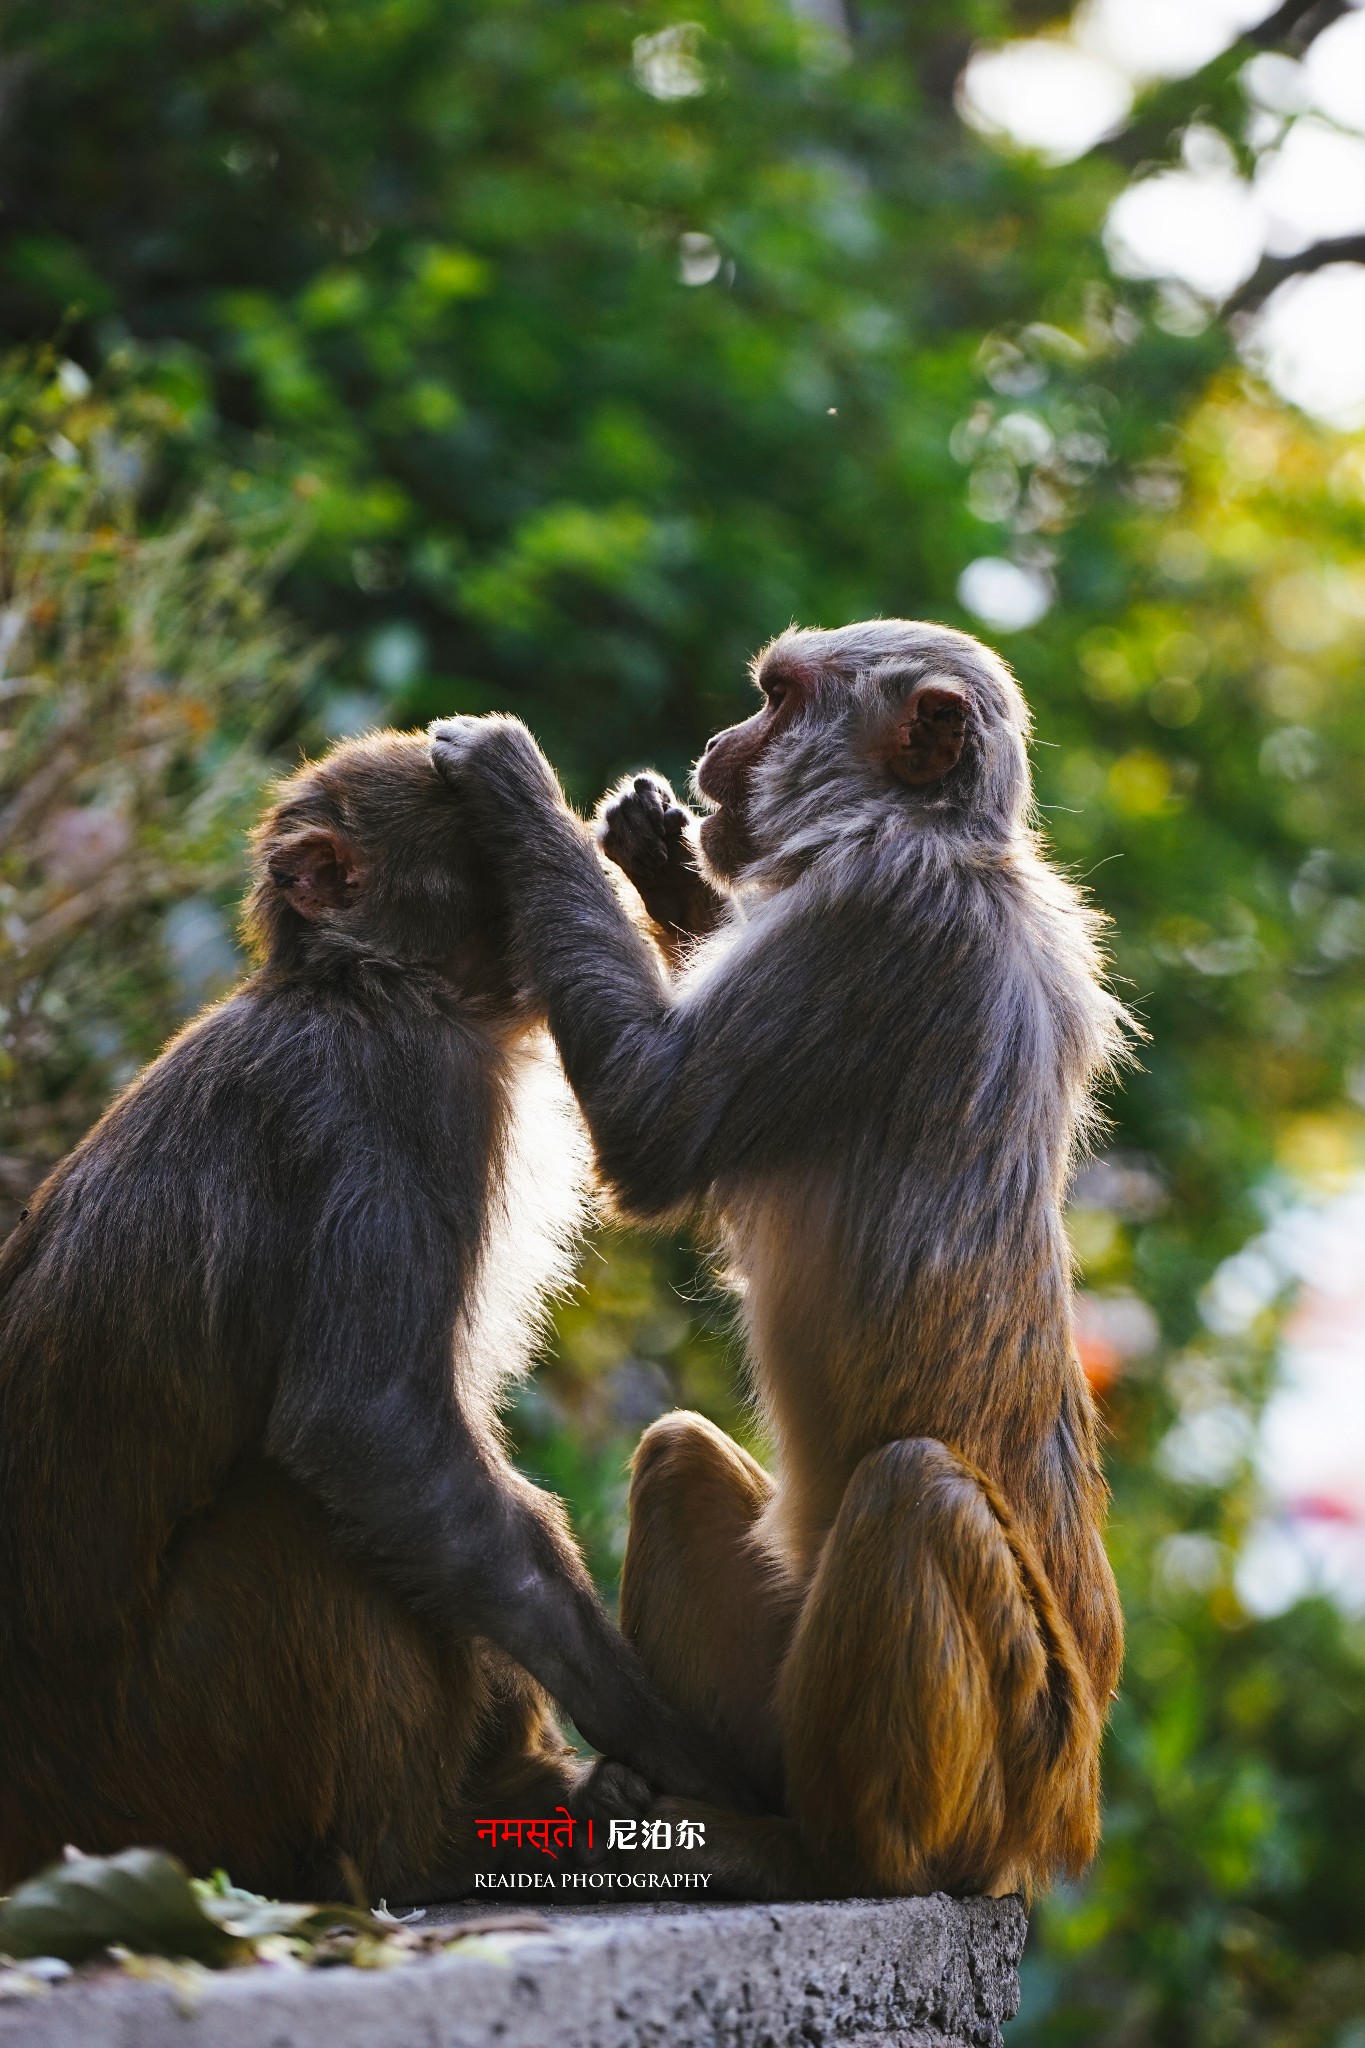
271 1595
871 1080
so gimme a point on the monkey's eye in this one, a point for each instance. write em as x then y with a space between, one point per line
776 693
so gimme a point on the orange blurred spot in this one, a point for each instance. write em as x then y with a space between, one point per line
1100 1361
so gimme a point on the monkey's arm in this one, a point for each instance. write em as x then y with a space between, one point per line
658 1078
652 838
365 1418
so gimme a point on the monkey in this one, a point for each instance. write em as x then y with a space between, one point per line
870 1082
272 1595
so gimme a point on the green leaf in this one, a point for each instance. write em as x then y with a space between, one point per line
247 1916
142 1899
145 1901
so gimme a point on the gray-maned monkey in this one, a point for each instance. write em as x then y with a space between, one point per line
871 1081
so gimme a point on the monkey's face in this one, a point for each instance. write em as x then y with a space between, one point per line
891 715
725 773
366 852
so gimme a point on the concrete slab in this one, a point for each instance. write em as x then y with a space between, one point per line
917 1973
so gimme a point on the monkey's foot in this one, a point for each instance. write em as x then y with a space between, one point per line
612 1791
745 1855
608 1791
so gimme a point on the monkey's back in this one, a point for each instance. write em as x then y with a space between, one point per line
131 1365
899 1232
187 1655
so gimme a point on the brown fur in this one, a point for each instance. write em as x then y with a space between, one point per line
271 1594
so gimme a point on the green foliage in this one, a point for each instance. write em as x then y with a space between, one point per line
143 1904
646 1330
1210 761
435 258
142 676
595 346
142 1899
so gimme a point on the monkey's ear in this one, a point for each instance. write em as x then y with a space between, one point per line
314 871
930 729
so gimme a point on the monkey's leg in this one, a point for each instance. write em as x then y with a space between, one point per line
288 1718
703 1605
940 1730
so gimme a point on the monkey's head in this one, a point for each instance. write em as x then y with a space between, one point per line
891 719
364 854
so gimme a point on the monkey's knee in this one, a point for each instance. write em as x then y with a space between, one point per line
694 1498
685 1466
704 1606
937 1728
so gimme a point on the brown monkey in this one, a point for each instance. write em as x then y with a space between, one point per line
271 1594
872 1080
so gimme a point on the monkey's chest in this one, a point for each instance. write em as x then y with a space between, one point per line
536 1210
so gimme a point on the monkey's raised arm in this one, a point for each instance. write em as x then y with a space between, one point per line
658 1078
458 1533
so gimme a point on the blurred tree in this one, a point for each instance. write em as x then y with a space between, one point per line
604 343
1212 759
141 680
599 344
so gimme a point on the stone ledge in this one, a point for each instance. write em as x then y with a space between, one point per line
916 1973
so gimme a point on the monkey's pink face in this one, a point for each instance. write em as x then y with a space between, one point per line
726 769
919 741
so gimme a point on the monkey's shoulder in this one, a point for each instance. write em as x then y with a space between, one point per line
259 1103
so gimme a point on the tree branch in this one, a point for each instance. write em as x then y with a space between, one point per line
1172 106
1296 22
1273 270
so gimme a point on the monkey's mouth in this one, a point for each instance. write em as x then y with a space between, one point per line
711 808
703 782
726 842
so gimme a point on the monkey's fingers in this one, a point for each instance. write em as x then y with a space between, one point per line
653 792
451 741
641 856
631 833
612 1791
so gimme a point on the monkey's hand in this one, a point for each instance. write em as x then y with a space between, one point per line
611 1791
495 765
647 833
